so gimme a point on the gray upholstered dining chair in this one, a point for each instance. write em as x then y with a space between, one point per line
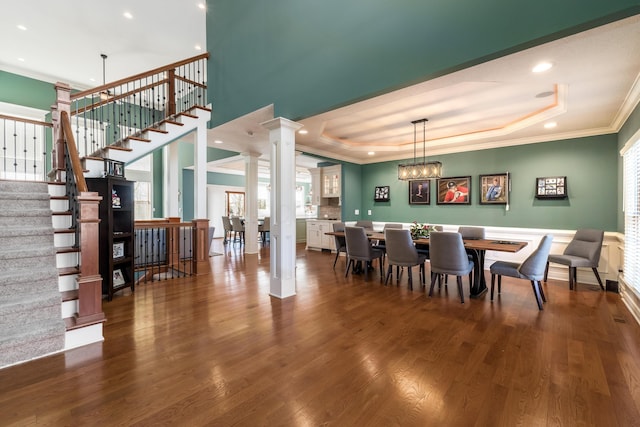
401 252
359 248
583 251
471 232
367 224
531 269
238 228
341 243
382 244
448 256
264 228
228 228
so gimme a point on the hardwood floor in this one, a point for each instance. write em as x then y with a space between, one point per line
218 350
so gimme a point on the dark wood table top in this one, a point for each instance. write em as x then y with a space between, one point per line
477 244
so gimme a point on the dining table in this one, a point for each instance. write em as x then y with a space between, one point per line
477 248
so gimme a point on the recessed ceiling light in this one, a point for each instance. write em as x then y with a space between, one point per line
21 59
127 15
371 153
92 79
217 141
201 6
198 47
541 67
550 125
303 131
545 94
22 27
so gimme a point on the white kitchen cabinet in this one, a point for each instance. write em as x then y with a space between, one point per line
317 237
331 181
316 187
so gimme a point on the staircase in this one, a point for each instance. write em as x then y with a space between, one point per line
31 324
49 297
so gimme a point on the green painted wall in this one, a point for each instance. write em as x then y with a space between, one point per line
590 165
158 184
20 90
306 56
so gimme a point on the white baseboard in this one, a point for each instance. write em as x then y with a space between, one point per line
83 336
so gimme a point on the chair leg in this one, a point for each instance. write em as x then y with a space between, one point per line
493 281
499 284
336 260
459 280
423 271
536 292
546 272
434 277
410 278
570 278
595 271
389 273
349 264
381 262
544 299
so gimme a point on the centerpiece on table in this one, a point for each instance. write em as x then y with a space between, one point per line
421 231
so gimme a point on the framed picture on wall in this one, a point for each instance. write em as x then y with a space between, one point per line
494 189
551 187
454 190
419 192
381 194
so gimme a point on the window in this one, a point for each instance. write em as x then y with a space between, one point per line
632 215
235 203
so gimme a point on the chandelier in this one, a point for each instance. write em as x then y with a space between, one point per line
424 169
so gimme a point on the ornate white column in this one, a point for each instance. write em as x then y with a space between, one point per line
200 173
171 181
251 203
283 206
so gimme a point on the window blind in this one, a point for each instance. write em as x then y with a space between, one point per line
631 188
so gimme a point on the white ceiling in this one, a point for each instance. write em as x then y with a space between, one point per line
593 86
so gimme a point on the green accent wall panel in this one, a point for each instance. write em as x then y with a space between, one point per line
25 91
590 165
306 57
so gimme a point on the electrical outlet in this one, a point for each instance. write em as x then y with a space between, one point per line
369 212
357 212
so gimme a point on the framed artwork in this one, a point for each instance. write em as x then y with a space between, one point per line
113 168
494 189
454 190
118 278
381 194
551 187
419 192
118 250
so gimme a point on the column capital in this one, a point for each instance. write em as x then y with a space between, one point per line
281 122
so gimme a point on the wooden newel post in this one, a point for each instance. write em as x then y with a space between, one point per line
89 279
200 248
173 242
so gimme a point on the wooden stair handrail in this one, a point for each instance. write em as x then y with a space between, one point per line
139 76
29 121
67 133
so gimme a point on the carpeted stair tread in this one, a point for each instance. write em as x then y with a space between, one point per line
33 307
31 323
26 343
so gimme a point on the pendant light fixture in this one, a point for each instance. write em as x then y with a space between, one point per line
104 95
424 169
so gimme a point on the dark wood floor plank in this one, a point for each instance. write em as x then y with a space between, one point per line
218 350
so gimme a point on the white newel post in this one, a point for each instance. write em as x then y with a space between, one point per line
283 206
251 203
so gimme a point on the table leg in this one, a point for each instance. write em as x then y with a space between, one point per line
479 286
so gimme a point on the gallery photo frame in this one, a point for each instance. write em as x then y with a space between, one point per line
118 278
454 190
551 187
420 192
113 168
494 189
